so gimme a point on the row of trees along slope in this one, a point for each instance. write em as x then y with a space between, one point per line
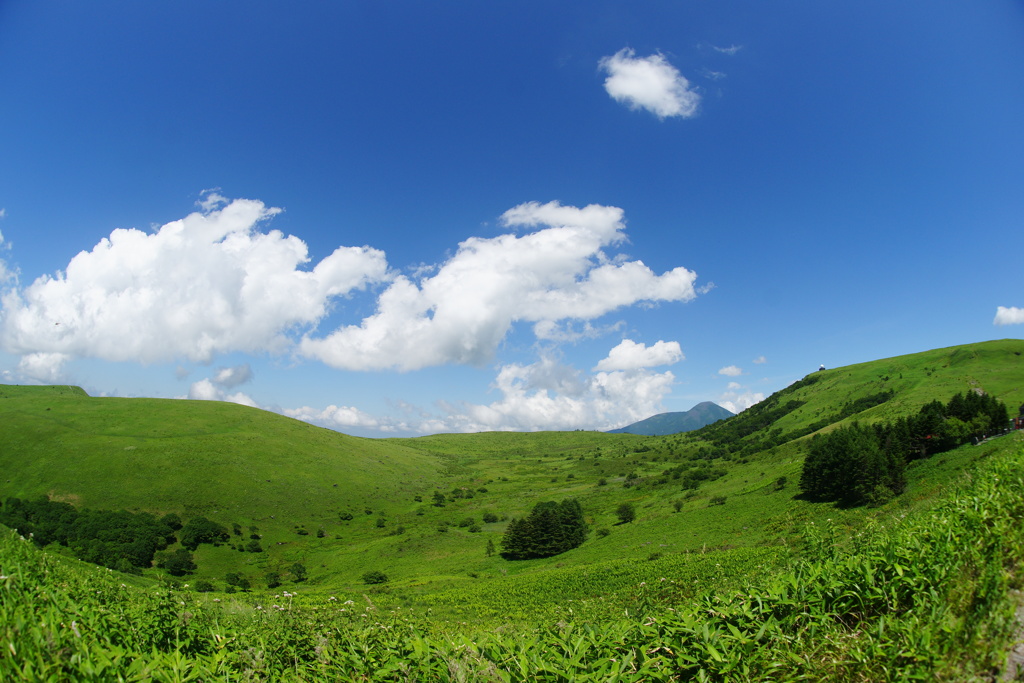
126 541
857 464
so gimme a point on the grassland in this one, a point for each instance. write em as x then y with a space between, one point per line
254 468
240 465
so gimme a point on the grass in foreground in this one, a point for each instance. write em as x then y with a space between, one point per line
915 594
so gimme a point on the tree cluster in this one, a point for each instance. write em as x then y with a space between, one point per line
120 540
550 528
857 464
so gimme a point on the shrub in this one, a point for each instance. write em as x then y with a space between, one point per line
375 576
201 530
626 513
490 518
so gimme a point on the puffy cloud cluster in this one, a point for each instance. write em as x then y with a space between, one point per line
731 371
207 284
545 395
1009 316
649 83
463 311
218 282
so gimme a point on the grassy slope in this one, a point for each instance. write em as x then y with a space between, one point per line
216 459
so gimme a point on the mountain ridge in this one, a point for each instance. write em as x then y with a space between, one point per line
664 424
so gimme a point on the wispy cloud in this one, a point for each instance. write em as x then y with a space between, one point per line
649 83
731 50
760 360
731 371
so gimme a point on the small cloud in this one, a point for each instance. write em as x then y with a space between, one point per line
760 360
629 355
1009 316
207 390
211 199
731 371
649 83
738 398
731 50
713 75
229 378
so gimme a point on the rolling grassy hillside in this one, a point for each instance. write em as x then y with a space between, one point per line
239 465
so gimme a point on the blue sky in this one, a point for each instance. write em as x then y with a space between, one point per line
410 217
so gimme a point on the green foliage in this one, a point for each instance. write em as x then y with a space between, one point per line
550 529
199 530
120 540
178 563
375 576
298 571
626 512
923 596
856 465
272 579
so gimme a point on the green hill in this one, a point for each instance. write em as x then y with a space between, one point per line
293 481
726 572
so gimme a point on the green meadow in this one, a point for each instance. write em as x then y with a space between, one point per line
726 572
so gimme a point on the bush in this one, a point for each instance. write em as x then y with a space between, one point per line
201 530
204 586
375 576
626 513
717 500
490 518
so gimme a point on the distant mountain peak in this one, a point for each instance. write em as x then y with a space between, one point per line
701 415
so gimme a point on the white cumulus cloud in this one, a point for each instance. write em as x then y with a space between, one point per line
544 395
760 360
206 284
548 396
1009 316
731 371
465 309
629 355
649 83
